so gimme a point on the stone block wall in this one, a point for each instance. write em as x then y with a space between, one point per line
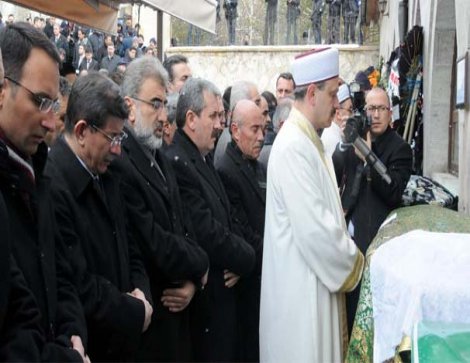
262 65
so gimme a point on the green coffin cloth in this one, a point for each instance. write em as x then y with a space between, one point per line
441 342
424 217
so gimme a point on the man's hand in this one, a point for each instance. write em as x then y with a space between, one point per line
178 299
138 294
78 346
230 278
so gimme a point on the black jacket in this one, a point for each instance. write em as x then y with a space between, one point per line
245 183
39 254
94 65
202 192
107 265
370 201
162 228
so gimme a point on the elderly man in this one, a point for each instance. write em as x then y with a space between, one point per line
367 199
332 135
175 263
241 90
178 70
27 107
309 259
284 85
244 180
215 312
108 269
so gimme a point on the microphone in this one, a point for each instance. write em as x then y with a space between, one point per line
351 136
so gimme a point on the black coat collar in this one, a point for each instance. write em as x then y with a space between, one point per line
234 153
144 165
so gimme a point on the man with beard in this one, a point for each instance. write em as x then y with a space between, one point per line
244 180
309 259
215 319
175 263
109 273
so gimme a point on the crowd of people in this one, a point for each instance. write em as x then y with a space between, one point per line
84 49
152 217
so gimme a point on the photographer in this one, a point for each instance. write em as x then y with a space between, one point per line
367 199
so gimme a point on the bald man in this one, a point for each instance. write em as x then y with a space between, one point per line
241 90
244 180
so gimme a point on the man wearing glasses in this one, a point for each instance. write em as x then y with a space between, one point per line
332 135
108 269
175 263
367 199
28 100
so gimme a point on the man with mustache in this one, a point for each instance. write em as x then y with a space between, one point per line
309 259
244 180
108 269
215 319
177 266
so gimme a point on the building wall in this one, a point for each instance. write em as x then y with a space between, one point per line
462 17
262 65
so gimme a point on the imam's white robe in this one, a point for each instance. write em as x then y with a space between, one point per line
308 257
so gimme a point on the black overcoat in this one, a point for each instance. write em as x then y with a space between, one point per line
39 255
107 265
246 190
161 226
214 310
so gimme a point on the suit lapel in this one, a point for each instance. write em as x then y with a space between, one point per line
205 168
145 166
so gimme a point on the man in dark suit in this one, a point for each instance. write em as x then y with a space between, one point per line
175 263
109 273
244 180
111 60
214 312
27 107
88 64
59 40
367 199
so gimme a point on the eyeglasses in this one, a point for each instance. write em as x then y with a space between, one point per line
115 140
45 104
372 109
156 103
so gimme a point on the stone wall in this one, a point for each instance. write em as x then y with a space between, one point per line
262 65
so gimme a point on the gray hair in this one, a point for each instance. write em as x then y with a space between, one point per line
282 113
240 91
138 71
171 107
192 98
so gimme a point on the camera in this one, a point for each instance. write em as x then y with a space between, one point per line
359 123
